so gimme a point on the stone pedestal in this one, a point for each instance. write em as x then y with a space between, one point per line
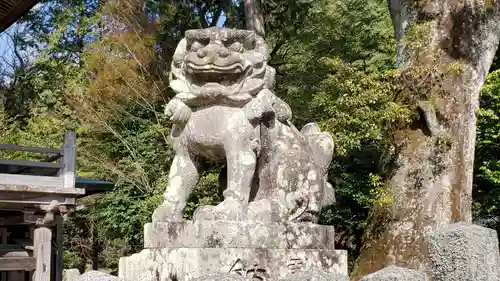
463 251
186 250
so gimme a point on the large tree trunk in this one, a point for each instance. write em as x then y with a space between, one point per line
445 50
254 17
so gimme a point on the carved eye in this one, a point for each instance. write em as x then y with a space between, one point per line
196 46
236 46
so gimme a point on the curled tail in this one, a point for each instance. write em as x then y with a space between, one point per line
322 146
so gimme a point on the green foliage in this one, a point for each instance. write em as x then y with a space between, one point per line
418 37
486 190
357 104
72 260
206 193
341 76
335 66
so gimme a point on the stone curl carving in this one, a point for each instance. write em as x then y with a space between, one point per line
225 110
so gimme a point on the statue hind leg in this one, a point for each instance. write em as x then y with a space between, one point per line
182 179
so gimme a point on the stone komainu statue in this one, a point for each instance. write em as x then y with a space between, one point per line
225 110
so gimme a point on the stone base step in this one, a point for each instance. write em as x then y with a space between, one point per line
238 234
185 264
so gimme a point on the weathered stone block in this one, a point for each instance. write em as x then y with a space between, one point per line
196 249
396 273
238 234
185 264
464 252
316 275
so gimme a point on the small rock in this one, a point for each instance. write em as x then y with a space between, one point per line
315 275
463 251
396 273
96 276
70 274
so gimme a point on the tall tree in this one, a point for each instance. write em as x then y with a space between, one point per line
254 17
445 50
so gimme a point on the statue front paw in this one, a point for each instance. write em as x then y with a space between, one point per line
229 209
166 212
177 112
204 213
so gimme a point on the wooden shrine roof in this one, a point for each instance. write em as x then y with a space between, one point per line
93 186
12 10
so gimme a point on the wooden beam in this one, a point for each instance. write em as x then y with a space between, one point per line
59 248
6 253
11 220
9 247
43 207
35 198
26 244
42 252
69 159
30 149
24 163
17 263
3 241
14 192
27 181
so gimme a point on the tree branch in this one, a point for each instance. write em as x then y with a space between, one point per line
201 17
228 10
16 51
254 18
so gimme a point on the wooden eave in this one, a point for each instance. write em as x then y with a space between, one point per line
12 10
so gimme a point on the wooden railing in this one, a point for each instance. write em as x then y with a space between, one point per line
36 193
56 170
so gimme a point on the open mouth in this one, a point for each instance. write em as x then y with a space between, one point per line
234 68
204 75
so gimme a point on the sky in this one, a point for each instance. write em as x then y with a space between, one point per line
5 48
6 45
6 51
222 19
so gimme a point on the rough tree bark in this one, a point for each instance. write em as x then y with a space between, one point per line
445 50
254 17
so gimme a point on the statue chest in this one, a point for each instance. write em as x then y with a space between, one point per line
213 129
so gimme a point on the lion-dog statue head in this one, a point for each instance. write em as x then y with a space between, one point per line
220 66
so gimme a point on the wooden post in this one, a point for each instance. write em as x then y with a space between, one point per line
59 247
42 252
31 236
3 241
69 160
